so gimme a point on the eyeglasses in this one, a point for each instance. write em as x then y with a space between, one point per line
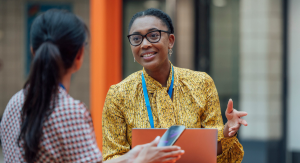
153 37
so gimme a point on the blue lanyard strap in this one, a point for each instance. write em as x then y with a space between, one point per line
147 101
171 86
62 86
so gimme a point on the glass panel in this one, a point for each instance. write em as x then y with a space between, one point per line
224 50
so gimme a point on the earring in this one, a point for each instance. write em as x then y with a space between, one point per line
133 59
170 52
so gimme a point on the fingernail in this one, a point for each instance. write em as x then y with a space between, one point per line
157 137
178 148
182 151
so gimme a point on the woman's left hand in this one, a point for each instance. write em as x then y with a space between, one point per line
234 120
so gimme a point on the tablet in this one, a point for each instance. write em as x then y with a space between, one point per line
199 144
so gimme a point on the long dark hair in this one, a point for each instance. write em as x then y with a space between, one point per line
56 37
165 18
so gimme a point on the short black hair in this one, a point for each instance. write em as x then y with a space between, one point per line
165 18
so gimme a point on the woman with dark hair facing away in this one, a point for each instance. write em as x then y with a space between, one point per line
176 96
42 122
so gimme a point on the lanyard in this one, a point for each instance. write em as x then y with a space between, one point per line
62 86
147 98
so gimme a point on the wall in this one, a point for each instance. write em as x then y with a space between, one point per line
260 63
293 76
12 50
261 78
224 50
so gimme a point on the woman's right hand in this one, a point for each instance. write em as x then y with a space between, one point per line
153 154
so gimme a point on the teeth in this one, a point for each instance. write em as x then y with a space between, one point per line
148 55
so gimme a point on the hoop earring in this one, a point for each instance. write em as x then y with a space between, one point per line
170 52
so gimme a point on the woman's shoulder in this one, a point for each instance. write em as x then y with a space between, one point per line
66 104
191 75
16 102
18 97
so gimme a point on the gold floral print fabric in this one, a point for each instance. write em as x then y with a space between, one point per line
195 104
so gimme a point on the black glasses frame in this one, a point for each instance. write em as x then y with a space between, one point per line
145 36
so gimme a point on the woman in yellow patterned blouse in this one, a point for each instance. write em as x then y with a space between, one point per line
193 101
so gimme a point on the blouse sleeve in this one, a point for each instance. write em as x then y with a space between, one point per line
232 150
115 142
74 140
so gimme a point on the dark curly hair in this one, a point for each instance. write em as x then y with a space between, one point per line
165 18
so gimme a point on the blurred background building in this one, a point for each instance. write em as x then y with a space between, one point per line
249 47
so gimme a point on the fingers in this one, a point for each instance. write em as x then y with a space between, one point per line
155 142
229 107
232 133
238 125
229 110
173 154
233 130
169 148
243 122
241 113
138 147
235 127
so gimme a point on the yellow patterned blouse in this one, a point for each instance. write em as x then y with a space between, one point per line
195 105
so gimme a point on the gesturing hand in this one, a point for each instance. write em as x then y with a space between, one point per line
153 154
234 120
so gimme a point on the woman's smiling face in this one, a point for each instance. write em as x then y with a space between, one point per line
152 56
